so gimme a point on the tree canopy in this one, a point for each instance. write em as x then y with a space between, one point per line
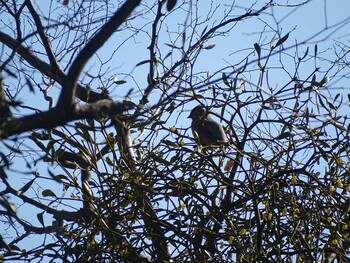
98 162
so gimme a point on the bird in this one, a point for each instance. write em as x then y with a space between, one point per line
208 132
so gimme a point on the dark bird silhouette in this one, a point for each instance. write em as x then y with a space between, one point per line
207 131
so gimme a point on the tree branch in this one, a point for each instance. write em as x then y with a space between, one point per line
45 40
55 117
82 93
69 86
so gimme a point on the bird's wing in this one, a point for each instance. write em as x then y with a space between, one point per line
213 129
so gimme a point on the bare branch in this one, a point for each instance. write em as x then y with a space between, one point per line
55 117
83 93
47 45
67 96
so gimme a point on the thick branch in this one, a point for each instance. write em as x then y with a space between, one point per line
82 93
152 224
55 117
4 107
69 87
150 218
88 208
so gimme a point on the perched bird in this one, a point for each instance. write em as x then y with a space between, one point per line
208 132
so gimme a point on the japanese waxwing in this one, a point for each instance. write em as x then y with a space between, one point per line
207 131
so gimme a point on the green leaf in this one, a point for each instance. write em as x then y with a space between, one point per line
31 88
307 115
40 136
332 106
25 187
11 208
60 178
48 192
345 208
324 145
120 82
174 158
14 247
13 149
283 135
204 187
336 97
315 50
257 49
167 55
324 80
272 40
169 45
2 173
146 189
281 40
225 79
38 143
322 103
4 160
170 4
40 217
313 78
159 158
83 131
143 62
316 84
82 126
157 123
210 46
109 161
305 54
168 143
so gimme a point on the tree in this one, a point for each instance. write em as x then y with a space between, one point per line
97 161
